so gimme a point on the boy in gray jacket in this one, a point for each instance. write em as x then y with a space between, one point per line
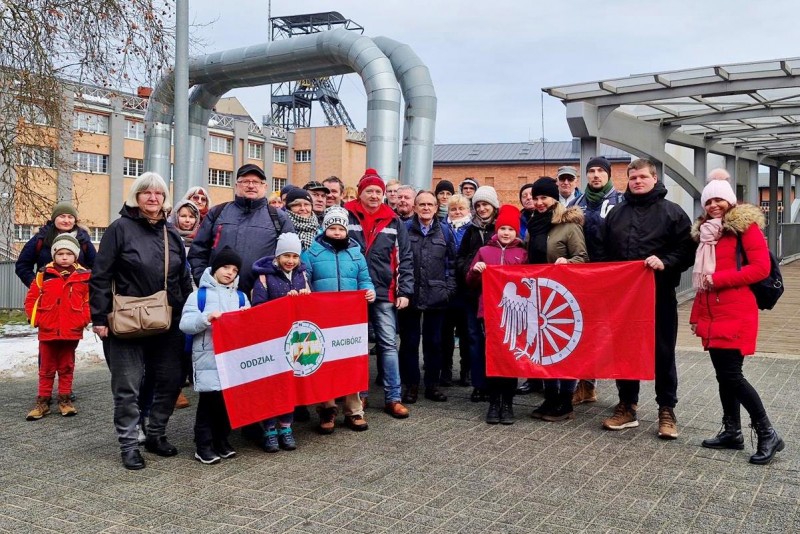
216 295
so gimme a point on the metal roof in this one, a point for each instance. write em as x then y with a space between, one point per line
753 106
538 152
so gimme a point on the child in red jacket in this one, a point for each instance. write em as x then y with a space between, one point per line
58 303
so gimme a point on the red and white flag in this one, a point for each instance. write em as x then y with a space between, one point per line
289 352
593 320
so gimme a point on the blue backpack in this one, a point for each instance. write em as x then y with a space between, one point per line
201 305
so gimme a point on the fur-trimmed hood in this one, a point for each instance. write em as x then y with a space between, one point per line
737 220
567 215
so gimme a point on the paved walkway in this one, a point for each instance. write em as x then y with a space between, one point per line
443 470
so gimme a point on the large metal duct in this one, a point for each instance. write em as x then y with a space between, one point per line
321 54
419 128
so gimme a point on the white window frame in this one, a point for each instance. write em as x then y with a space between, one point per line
279 154
91 163
216 140
278 183
96 233
220 177
86 121
24 232
36 156
302 156
134 130
133 167
255 150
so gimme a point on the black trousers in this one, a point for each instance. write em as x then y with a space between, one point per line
211 421
666 371
734 389
501 385
430 331
455 323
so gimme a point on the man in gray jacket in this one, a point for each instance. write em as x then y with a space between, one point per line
249 225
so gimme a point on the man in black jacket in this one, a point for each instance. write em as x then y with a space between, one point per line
649 227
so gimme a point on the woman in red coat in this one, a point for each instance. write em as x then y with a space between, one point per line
725 314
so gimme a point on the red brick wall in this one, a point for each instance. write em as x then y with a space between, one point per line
508 178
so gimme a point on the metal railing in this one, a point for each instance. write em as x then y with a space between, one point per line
12 291
788 240
685 291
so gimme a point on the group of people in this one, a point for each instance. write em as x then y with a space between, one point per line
419 256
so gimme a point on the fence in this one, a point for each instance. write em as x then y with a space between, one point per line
12 291
789 240
685 291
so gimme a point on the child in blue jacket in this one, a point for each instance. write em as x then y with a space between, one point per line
216 295
279 276
335 263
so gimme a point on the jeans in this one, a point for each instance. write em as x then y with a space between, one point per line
477 346
431 333
285 420
666 371
734 389
383 319
129 360
211 422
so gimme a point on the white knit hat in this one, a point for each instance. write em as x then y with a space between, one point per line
718 188
66 241
486 193
288 243
335 215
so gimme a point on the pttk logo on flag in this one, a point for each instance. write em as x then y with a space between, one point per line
291 352
570 321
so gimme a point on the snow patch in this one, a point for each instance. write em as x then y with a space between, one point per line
19 351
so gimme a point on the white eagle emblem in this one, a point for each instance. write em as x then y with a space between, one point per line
550 317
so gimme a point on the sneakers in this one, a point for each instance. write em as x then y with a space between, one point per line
356 423
624 417
286 439
585 392
327 418
41 409
206 455
667 424
65 406
270 443
224 449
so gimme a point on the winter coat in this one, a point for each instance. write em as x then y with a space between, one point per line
646 225
63 309
388 254
275 284
247 227
194 322
727 315
458 233
329 270
495 254
595 215
524 219
35 255
474 238
434 265
565 238
132 255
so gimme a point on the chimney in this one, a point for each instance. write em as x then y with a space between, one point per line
144 92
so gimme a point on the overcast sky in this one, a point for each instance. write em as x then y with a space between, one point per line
489 60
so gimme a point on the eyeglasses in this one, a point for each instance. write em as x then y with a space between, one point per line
198 197
566 178
250 183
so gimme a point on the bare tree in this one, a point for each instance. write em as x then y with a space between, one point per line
48 50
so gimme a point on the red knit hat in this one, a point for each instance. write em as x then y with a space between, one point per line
371 177
508 216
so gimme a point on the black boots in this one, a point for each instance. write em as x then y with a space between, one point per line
493 414
507 410
729 437
769 442
562 408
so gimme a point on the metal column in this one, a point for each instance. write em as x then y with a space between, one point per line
752 184
181 176
588 151
787 196
700 172
772 228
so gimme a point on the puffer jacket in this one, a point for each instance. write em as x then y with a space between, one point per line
565 238
63 309
495 254
275 284
244 225
595 215
194 322
35 255
329 270
646 225
132 255
727 315
434 265
386 248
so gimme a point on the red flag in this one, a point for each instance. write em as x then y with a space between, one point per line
291 351
593 320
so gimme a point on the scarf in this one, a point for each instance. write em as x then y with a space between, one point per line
705 261
455 224
596 197
337 245
442 213
307 228
187 235
538 227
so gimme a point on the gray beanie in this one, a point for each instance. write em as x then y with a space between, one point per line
288 243
335 215
66 241
486 193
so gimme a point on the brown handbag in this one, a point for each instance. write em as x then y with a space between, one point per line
135 317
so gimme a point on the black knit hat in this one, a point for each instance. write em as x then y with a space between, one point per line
601 162
226 256
297 194
545 186
522 190
445 185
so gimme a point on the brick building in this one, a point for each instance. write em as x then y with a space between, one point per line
508 166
